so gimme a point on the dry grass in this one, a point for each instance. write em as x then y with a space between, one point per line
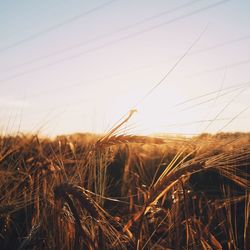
124 192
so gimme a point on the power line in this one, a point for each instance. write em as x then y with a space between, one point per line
133 109
232 88
99 37
56 26
35 69
232 65
80 84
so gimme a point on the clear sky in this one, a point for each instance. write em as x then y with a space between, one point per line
77 66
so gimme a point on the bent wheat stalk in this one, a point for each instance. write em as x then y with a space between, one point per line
79 231
223 163
105 229
79 193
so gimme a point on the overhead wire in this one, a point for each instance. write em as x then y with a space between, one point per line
80 83
222 44
105 35
35 69
133 109
56 26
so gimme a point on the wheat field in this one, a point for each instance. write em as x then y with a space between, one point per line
125 192
172 176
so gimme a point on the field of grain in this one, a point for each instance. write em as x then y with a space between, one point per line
124 192
118 125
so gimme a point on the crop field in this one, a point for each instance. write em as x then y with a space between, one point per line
125 192
125 125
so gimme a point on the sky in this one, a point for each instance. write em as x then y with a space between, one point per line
79 66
